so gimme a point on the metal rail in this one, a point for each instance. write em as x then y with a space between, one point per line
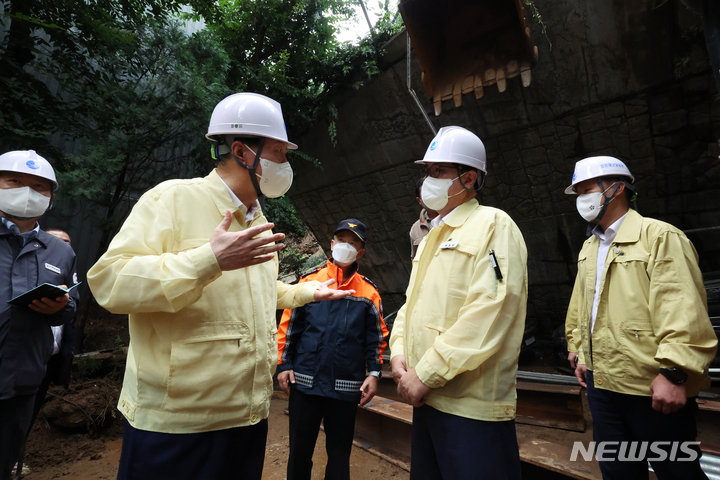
568 380
412 92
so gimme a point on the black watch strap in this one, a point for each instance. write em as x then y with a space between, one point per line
675 375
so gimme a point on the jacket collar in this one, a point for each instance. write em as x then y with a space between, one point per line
219 193
630 229
461 213
8 228
336 272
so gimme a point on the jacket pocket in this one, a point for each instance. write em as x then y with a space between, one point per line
427 334
639 345
210 372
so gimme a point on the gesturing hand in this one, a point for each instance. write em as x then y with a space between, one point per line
326 293
235 250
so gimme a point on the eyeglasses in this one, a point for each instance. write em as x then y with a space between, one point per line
436 170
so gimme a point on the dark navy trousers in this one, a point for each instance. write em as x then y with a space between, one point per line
235 453
338 417
15 415
450 447
621 417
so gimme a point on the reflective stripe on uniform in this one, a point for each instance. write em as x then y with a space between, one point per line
346 385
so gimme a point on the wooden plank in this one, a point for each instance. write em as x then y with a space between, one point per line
548 387
553 406
387 426
390 408
556 458
384 427
709 405
711 449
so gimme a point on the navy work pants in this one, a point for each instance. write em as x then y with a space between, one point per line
15 415
450 447
621 417
306 413
234 453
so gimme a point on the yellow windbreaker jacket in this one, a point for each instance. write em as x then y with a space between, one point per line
203 343
652 311
461 328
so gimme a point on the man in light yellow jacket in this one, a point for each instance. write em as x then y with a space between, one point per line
195 267
456 341
638 330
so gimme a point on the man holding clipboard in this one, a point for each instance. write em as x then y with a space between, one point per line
29 257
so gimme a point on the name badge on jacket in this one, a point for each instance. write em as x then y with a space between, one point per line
53 268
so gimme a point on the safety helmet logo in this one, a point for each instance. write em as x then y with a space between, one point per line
433 145
32 164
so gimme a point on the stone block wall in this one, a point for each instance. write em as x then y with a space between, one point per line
608 86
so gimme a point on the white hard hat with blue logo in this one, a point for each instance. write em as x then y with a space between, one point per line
597 167
456 145
27 161
248 115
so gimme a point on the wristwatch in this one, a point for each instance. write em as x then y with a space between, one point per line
675 375
376 373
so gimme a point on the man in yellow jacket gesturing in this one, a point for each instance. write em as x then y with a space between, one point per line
456 341
195 266
638 330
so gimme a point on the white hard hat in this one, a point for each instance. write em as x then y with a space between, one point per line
248 115
596 167
456 145
27 161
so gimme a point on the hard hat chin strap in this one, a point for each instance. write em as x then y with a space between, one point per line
607 201
251 171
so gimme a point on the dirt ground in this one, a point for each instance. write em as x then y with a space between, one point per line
53 454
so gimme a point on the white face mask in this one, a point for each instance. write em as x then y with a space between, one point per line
589 205
344 254
276 178
434 192
23 202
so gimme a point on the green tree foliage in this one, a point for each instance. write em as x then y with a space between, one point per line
46 45
286 49
145 117
283 214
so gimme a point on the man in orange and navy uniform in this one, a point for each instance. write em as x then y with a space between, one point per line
325 349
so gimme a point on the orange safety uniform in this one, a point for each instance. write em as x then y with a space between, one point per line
329 345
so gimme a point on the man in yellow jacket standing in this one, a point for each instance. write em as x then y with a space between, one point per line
195 267
638 330
456 341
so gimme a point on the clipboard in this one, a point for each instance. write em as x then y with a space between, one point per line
46 290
